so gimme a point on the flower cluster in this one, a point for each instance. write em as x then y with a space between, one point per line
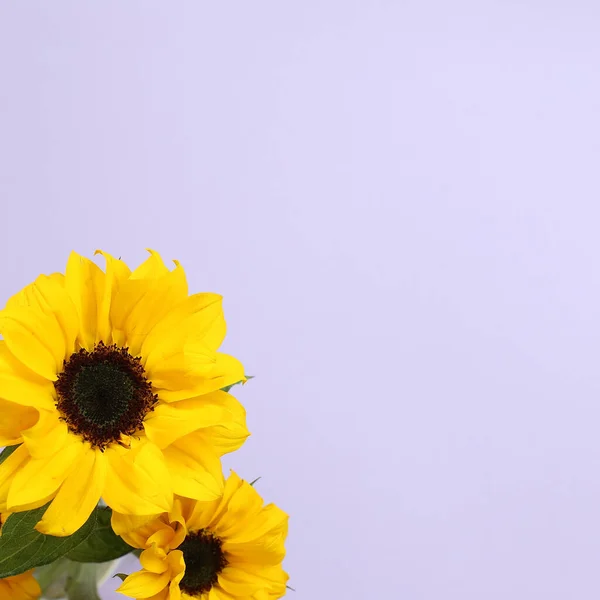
113 393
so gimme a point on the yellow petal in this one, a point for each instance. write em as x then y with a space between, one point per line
84 282
14 418
40 478
161 296
34 338
21 385
187 365
230 434
129 294
138 481
48 294
141 301
232 583
177 566
206 515
8 470
220 594
143 584
134 529
169 422
268 528
199 318
162 595
164 538
241 511
116 273
48 435
154 560
20 587
195 470
152 268
77 497
190 374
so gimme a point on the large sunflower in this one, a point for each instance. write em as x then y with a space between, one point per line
227 549
110 381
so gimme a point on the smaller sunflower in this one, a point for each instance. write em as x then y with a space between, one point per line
226 549
19 587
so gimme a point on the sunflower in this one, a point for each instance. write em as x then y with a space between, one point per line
109 383
227 549
18 587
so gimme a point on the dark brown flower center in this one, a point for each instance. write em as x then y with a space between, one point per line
204 560
103 394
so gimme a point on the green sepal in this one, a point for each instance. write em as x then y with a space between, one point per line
228 387
103 544
23 548
121 576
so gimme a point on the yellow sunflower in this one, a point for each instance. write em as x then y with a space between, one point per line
110 381
227 549
19 587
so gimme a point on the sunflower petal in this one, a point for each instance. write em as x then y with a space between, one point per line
116 273
144 584
152 268
15 418
154 560
169 422
162 295
199 318
48 294
20 587
21 385
135 530
47 436
77 496
195 469
34 338
8 470
232 583
138 481
194 373
84 282
39 478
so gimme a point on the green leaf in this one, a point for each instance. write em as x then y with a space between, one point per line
7 452
23 548
228 387
103 544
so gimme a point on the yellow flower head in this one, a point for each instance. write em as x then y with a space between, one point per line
20 587
110 382
227 549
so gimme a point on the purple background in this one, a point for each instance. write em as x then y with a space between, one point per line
400 204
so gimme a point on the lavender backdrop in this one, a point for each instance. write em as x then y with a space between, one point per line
399 202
